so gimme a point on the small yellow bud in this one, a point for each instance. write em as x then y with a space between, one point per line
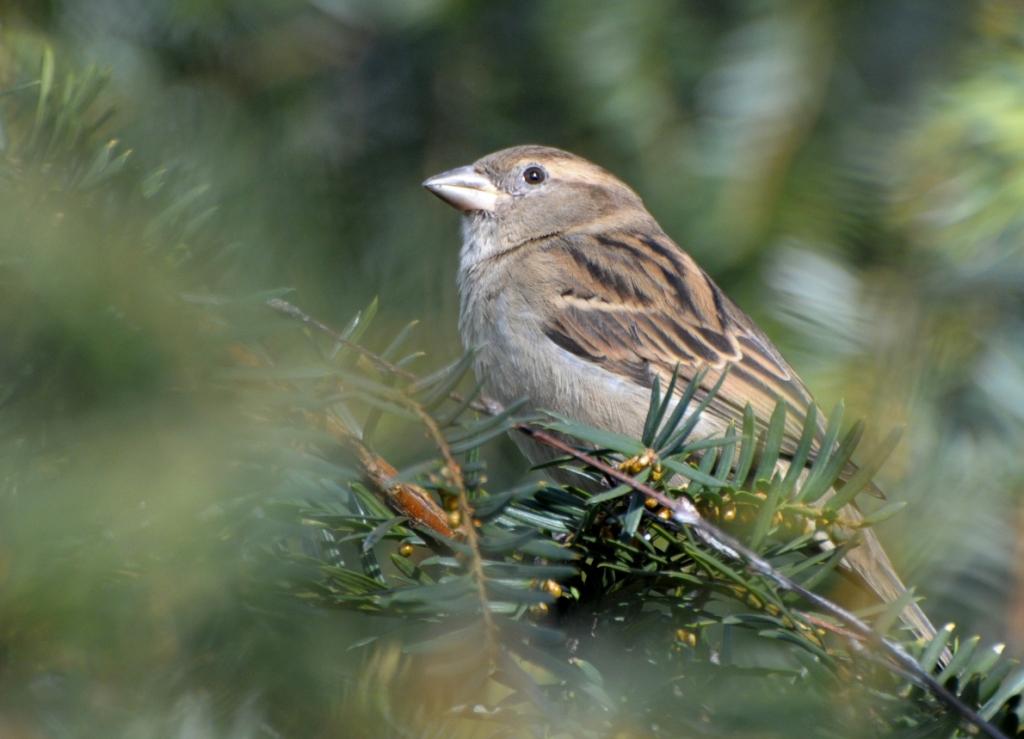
406 549
729 511
553 588
454 519
639 463
539 609
687 637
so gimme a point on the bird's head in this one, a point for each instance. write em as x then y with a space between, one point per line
528 193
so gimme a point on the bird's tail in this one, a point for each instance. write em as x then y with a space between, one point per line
872 565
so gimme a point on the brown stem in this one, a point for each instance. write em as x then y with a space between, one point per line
404 498
467 527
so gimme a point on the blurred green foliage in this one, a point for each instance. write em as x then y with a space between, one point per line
852 173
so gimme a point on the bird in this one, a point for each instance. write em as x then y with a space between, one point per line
575 300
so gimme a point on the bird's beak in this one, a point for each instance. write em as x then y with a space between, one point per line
464 188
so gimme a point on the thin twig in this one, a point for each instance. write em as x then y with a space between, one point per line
407 499
468 529
293 311
466 513
686 514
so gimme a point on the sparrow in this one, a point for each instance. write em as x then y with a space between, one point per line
574 298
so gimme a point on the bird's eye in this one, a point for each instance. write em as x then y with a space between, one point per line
534 175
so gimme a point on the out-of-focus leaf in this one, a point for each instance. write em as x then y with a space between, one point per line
930 657
1010 687
616 492
704 468
772 443
816 483
437 386
380 531
884 513
766 513
679 436
961 657
598 437
400 338
803 450
748 446
634 512
486 427
867 471
669 429
690 473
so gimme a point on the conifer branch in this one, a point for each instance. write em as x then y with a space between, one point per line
411 500
685 514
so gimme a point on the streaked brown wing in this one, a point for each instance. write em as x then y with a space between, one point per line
638 306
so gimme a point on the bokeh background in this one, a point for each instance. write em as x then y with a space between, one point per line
851 173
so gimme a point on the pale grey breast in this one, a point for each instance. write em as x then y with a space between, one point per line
515 359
